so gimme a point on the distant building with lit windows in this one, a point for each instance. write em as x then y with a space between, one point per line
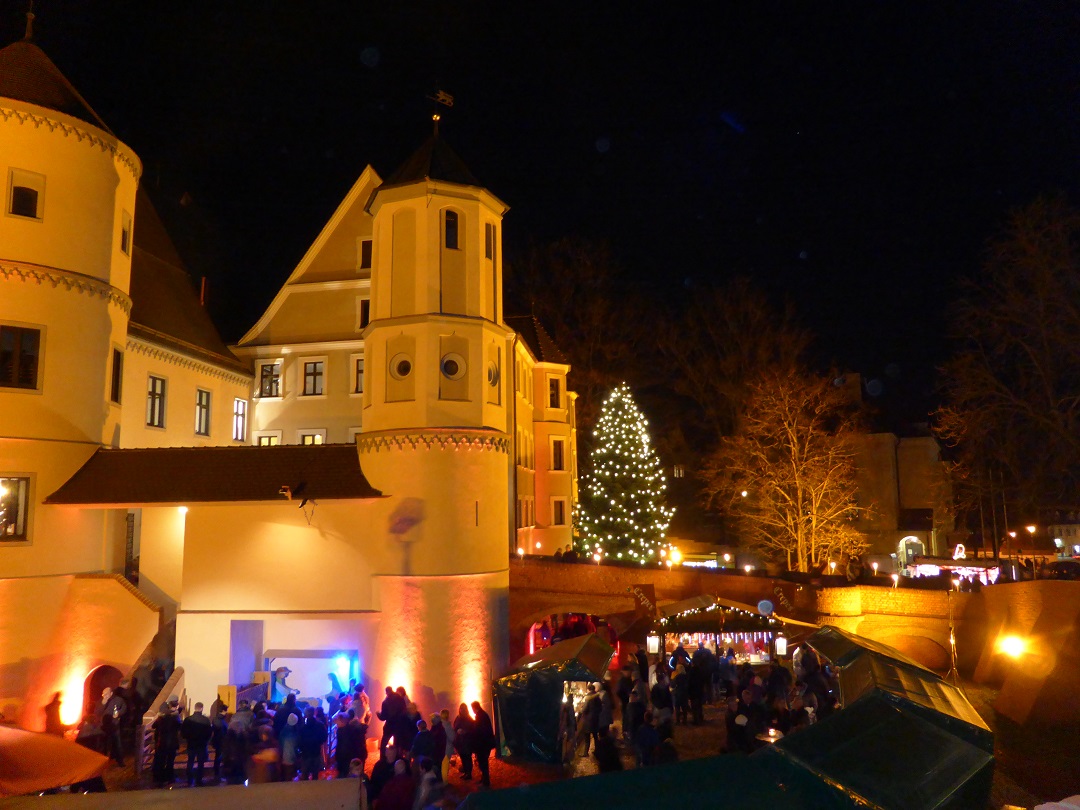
383 433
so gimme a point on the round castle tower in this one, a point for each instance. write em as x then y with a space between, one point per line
68 196
437 427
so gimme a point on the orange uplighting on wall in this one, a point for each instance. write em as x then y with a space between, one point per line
71 696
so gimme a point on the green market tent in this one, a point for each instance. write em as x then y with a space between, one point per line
884 756
733 781
864 666
527 700
842 647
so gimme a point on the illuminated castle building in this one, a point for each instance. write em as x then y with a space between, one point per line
348 482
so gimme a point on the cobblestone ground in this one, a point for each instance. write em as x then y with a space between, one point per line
1033 765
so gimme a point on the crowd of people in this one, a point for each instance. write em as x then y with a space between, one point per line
654 694
292 741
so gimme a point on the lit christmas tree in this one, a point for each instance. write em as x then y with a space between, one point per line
622 515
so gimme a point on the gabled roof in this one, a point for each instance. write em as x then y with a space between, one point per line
434 160
165 308
536 338
186 475
354 201
27 74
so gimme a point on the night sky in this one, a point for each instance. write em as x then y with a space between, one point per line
853 157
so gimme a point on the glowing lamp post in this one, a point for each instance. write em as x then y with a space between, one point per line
874 565
521 554
895 580
748 568
832 566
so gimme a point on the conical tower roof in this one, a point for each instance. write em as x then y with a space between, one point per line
434 160
27 74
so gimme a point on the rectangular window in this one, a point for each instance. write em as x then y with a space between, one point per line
489 240
268 441
26 194
365 254
558 456
14 506
239 420
125 232
117 382
270 380
202 412
365 313
358 380
155 402
554 393
20 350
313 378
311 438
678 471
451 223
558 512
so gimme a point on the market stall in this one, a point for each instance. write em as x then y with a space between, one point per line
529 698
717 623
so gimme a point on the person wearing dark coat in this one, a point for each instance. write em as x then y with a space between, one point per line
483 741
196 731
393 708
438 737
53 723
423 744
219 725
643 664
464 726
166 728
382 772
310 744
113 709
281 716
398 792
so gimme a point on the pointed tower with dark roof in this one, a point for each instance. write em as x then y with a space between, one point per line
438 422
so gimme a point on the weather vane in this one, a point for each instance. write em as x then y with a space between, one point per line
440 97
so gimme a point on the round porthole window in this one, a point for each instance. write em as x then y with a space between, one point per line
453 366
400 366
492 374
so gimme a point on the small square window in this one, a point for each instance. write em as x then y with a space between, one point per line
155 402
312 438
270 380
14 508
268 440
20 355
202 412
365 254
26 194
314 371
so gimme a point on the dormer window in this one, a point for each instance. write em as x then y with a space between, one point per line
451 229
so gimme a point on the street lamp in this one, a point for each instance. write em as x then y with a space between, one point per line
895 580
832 566
874 566
748 568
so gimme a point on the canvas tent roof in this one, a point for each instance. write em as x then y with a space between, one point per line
31 762
932 698
742 783
586 654
842 647
885 756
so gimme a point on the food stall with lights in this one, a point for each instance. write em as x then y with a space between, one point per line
528 699
706 620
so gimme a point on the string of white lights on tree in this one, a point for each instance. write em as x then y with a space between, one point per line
622 513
